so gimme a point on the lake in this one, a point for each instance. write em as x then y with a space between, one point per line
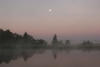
49 58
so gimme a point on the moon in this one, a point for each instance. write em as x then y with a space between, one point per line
50 10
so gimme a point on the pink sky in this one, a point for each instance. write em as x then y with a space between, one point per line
67 18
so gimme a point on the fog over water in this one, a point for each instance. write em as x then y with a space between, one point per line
54 58
49 33
74 40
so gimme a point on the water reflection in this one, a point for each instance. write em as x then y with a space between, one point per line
6 55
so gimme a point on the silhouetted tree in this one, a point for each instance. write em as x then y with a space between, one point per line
27 39
84 42
1 32
25 36
87 43
67 42
54 41
17 38
6 37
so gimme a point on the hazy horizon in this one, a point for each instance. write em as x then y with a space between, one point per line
69 19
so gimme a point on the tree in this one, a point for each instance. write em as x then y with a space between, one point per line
88 42
1 31
17 38
7 37
84 42
26 38
54 41
67 42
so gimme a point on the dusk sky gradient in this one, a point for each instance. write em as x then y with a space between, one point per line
73 19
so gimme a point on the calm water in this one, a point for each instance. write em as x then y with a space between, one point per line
49 58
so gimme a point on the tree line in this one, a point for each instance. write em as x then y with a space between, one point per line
67 42
8 38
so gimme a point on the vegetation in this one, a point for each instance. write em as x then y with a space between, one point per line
67 42
13 46
7 38
14 40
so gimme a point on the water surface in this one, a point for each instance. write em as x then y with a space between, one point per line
49 58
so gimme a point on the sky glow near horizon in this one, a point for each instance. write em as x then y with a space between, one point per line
68 18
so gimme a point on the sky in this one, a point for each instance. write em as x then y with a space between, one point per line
69 19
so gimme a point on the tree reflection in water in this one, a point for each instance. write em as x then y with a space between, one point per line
6 55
